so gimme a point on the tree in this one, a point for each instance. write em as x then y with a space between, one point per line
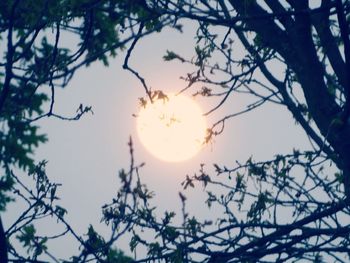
35 61
311 46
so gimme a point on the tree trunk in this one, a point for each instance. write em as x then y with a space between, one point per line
3 245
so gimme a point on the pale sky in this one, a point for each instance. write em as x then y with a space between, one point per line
85 156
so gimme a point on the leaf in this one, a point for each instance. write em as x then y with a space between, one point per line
6 184
170 233
170 55
154 249
134 242
27 235
60 211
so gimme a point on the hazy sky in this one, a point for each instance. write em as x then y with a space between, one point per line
85 156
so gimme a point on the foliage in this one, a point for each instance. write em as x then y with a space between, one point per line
293 207
6 183
36 60
43 43
251 226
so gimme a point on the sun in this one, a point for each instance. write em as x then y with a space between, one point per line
172 128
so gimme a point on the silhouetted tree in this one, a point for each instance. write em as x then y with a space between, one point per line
289 208
35 61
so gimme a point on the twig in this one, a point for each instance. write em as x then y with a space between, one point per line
126 61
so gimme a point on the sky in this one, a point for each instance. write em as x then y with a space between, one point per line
85 156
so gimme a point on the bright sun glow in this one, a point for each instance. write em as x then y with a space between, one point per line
172 129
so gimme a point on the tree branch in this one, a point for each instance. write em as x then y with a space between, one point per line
344 31
322 25
224 257
126 61
288 101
